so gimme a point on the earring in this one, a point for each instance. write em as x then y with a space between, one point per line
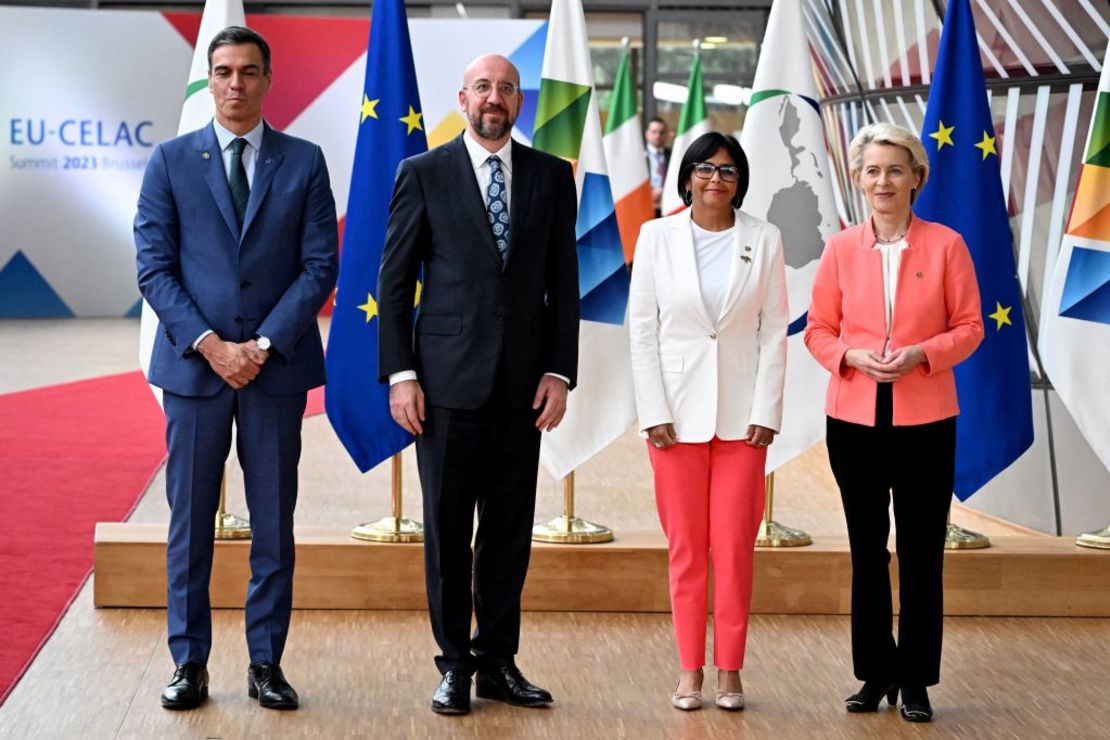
688 197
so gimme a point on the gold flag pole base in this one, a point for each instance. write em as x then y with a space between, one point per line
569 529
229 526
390 529
773 534
396 528
958 538
1099 540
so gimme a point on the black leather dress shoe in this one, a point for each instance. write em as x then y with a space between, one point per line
267 683
188 688
506 683
915 704
452 696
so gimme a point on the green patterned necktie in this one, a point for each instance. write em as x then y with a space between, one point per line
240 189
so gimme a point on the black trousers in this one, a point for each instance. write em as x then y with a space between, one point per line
488 459
916 464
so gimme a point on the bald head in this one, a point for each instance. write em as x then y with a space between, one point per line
491 99
493 67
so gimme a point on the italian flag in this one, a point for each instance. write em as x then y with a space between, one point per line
196 111
692 123
627 160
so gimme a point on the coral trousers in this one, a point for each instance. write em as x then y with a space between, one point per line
710 500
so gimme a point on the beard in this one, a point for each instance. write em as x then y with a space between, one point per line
492 131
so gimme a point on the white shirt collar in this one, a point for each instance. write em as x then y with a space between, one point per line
479 154
225 137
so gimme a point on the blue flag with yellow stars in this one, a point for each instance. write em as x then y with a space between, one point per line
964 192
390 129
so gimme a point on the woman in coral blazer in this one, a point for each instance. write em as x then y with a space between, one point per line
708 318
895 308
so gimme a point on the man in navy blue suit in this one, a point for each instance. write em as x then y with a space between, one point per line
236 244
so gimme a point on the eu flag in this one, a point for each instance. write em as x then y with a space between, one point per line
390 129
964 192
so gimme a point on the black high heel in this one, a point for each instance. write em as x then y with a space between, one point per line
915 704
869 696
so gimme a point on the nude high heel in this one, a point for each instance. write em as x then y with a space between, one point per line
730 701
687 702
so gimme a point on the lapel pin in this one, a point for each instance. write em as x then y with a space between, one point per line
204 155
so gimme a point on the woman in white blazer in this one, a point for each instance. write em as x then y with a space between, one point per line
708 318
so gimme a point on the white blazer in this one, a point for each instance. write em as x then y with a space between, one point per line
708 375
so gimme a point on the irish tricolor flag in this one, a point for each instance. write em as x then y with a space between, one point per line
601 408
624 153
692 123
196 111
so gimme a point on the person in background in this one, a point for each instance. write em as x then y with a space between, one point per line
895 307
658 158
708 319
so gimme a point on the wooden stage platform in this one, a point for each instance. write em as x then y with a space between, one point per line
1017 576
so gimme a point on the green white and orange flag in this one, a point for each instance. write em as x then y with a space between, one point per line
1075 315
602 407
627 160
692 123
196 111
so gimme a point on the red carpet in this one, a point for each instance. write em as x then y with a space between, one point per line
71 455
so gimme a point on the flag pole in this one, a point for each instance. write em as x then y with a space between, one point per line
569 529
394 528
773 534
1099 540
958 538
229 526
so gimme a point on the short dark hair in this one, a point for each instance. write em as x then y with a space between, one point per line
655 119
236 35
704 147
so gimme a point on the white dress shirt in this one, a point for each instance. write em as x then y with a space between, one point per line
250 158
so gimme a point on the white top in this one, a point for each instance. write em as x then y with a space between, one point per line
479 159
250 152
713 250
892 259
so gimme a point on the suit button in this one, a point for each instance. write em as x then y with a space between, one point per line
238 319
713 335
499 314
245 284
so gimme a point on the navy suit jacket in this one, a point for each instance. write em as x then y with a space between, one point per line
199 271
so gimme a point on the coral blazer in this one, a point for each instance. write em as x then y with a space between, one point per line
708 375
936 306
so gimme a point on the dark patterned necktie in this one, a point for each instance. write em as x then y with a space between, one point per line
497 209
240 189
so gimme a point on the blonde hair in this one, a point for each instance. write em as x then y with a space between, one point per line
893 135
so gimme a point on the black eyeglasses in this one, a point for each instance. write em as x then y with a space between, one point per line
728 172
